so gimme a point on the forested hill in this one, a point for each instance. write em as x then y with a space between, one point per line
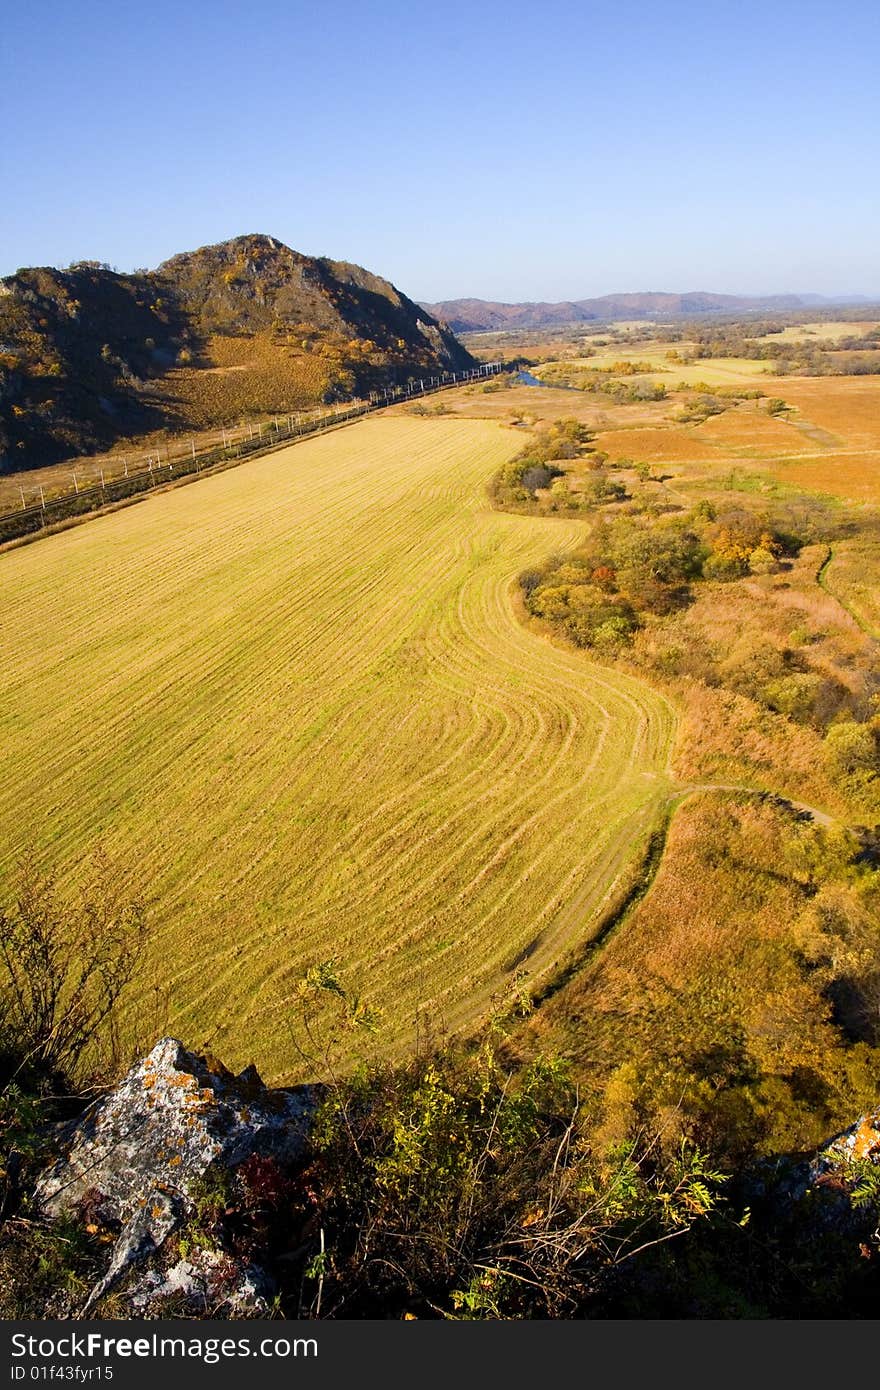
476 315
89 356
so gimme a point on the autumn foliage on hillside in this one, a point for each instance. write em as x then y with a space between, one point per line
89 356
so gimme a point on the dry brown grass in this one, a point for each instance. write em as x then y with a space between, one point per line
853 477
669 444
712 371
491 347
848 407
243 376
729 738
726 738
679 931
699 1008
853 575
829 444
824 332
748 432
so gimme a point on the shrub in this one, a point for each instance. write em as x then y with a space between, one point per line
600 489
851 748
451 1186
762 561
63 966
537 477
794 695
724 567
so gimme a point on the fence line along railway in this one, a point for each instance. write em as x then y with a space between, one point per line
238 443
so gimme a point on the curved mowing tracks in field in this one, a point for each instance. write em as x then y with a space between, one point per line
295 700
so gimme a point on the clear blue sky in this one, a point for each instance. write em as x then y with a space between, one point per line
502 150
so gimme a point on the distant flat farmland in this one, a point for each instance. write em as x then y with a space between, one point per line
713 371
295 703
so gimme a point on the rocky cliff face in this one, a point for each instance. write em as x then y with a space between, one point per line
89 356
858 1144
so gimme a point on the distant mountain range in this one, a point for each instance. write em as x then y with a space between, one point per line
480 315
89 356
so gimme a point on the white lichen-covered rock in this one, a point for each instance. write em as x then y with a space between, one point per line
860 1143
829 1175
141 1236
135 1155
204 1281
172 1116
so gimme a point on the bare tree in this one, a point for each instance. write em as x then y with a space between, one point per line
63 966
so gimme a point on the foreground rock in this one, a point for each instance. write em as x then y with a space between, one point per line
136 1158
823 1188
858 1144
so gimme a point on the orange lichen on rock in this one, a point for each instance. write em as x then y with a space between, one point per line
866 1140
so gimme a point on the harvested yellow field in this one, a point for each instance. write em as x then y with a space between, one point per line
295 703
721 371
536 405
532 403
825 333
608 358
714 371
